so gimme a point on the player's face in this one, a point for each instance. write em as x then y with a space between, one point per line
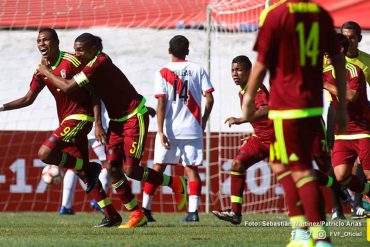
352 39
239 73
84 53
47 46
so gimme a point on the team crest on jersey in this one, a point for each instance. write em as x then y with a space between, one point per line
63 73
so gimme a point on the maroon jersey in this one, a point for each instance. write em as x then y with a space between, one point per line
358 111
79 102
119 96
291 44
261 127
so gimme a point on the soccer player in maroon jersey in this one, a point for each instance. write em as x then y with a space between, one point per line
255 148
355 141
67 146
128 126
291 44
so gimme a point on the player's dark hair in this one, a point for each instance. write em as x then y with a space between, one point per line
52 31
90 40
243 60
355 26
179 46
343 42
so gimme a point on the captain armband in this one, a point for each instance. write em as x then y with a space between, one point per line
81 79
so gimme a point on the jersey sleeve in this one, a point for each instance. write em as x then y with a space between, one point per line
88 72
261 98
266 39
37 84
353 82
205 82
160 89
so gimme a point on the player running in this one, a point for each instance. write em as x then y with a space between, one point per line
67 146
128 124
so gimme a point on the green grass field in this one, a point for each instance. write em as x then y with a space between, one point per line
50 229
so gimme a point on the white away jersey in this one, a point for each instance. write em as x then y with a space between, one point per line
183 84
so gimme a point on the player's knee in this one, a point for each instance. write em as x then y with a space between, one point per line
192 173
342 177
131 172
114 169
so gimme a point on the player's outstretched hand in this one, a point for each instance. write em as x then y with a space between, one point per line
151 111
232 120
100 134
164 141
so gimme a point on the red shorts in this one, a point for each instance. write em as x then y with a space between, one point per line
126 140
253 151
293 142
345 152
320 150
71 137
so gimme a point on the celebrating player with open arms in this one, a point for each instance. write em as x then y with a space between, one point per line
67 146
128 124
291 44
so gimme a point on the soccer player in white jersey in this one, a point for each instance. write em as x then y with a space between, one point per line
70 178
179 87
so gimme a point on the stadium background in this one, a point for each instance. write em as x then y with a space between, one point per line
135 34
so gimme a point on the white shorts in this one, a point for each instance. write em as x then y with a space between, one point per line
189 150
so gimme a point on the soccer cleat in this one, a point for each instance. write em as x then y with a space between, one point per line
136 219
92 176
96 206
191 217
228 215
108 221
301 238
179 188
66 211
337 214
359 213
148 214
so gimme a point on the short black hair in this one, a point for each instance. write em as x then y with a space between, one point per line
179 46
52 31
352 25
243 60
90 40
343 41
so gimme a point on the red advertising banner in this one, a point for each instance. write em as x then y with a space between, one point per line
21 187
